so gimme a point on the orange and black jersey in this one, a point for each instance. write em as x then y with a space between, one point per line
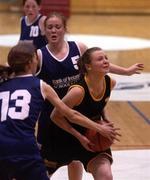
90 106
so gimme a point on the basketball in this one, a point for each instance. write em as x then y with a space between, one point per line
98 142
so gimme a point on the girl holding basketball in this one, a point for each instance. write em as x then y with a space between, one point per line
58 67
89 96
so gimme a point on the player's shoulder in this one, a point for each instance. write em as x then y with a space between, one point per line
110 80
83 47
77 89
42 18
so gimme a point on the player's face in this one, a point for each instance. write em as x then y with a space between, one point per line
31 9
54 30
99 62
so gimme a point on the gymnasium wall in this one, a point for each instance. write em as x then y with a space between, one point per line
110 6
87 6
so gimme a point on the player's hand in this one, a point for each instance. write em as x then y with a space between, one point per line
86 142
135 69
109 131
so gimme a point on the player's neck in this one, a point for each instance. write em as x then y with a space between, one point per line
59 50
93 80
95 86
31 20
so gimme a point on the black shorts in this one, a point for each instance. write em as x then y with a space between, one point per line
57 157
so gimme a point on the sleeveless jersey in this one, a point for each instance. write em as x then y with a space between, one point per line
91 107
66 147
32 32
21 101
60 74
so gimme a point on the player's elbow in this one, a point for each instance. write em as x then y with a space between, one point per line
54 116
73 116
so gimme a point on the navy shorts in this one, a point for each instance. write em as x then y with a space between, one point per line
23 169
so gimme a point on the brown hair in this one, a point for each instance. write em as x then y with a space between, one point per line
86 59
20 55
5 73
37 1
58 15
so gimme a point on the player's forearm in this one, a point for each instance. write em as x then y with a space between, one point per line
118 69
74 117
65 125
133 69
82 120
104 115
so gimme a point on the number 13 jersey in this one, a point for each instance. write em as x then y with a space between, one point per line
21 101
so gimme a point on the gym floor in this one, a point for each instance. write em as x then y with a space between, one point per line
132 115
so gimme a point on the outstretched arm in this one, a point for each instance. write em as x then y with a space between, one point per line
116 69
133 69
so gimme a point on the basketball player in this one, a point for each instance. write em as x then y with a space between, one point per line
58 67
89 96
21 100
32 23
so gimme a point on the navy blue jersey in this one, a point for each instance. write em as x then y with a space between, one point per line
60 74
32 32
21 101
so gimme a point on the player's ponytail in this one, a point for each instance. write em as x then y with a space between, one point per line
5 73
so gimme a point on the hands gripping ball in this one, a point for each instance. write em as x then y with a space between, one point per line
98 142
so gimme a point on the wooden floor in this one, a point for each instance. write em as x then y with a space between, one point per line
134 129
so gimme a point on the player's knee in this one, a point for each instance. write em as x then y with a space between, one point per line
105 175
108 176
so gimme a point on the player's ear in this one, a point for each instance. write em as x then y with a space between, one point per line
88 67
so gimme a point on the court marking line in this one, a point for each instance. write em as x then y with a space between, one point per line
106 42
146 119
